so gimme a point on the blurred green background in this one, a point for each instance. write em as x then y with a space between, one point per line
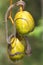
35 7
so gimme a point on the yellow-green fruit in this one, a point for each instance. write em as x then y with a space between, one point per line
17 47
24 22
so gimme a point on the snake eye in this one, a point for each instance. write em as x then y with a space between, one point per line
24 22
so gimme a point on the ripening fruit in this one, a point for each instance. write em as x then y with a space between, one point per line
17 50
24 22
